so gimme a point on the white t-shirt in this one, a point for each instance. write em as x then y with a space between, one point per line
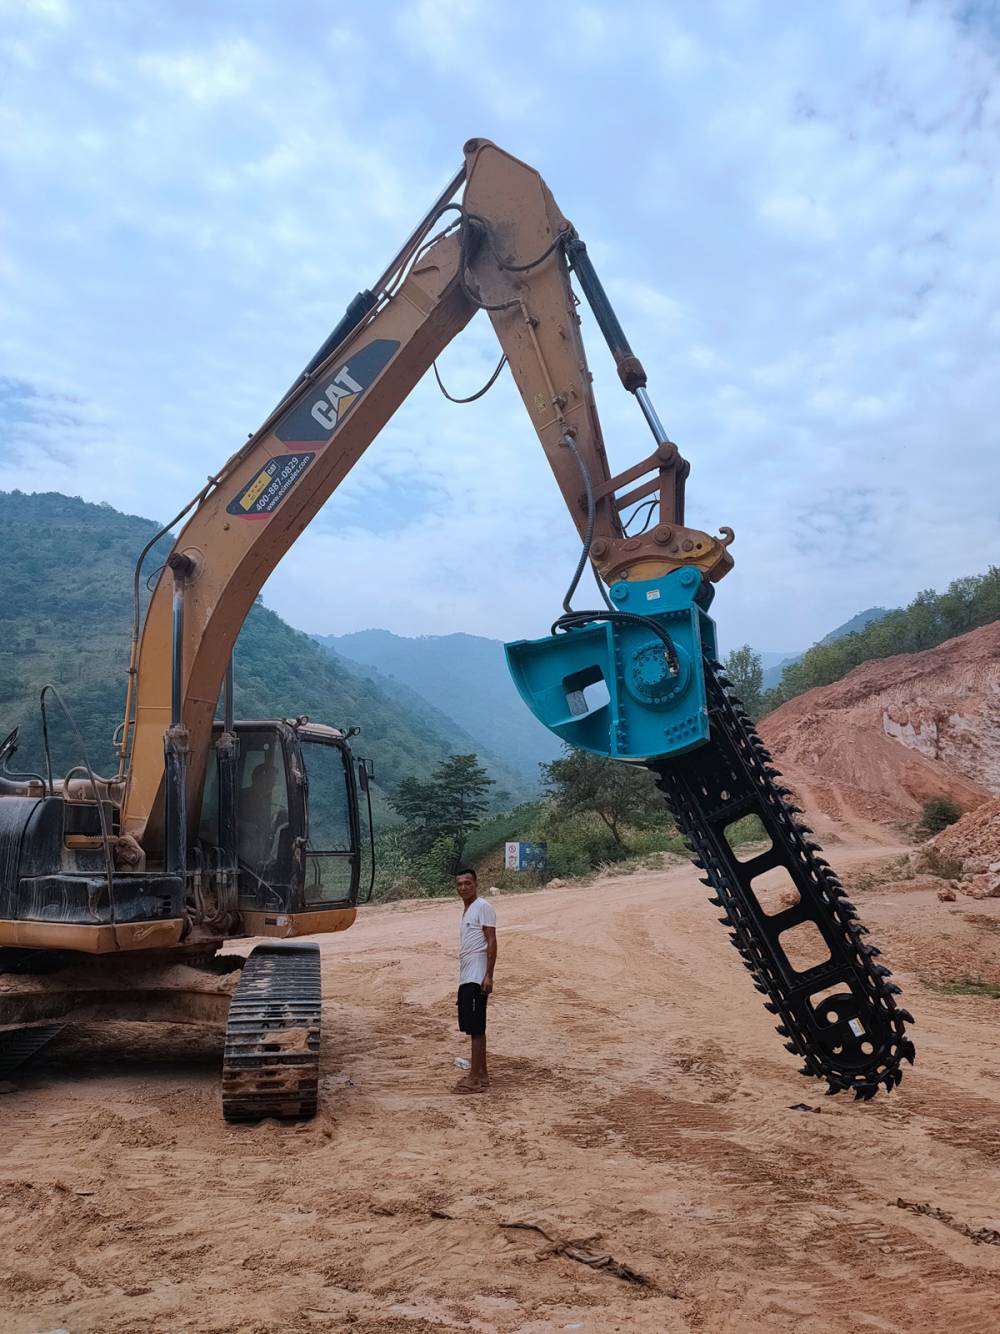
472 941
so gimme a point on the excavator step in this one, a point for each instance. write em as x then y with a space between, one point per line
271 1061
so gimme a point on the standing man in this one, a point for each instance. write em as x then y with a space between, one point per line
477 956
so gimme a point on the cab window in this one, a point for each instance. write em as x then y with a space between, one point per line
331 854
262 801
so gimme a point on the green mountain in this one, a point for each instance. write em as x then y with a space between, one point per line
774 668
929 620
466 678
65 617
512 786
856 624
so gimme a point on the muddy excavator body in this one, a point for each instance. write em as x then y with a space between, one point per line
215 831
277 852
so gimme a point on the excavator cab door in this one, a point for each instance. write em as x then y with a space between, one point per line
296 818
332 849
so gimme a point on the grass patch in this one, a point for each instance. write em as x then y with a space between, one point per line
967 986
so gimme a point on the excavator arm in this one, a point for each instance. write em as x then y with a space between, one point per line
507 249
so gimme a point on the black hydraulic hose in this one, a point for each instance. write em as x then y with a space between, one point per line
588 536
101 813
371 838
137 613
137 572
474 229
575 620
8 748
479 392
507 264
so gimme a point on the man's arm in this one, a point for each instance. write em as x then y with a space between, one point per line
490 932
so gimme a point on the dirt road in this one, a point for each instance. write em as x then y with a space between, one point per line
642 1103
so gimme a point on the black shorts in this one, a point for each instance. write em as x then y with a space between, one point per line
472 1009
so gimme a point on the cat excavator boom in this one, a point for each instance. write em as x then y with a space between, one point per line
215 829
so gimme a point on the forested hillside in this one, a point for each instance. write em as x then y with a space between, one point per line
466 677
773 668
65 615
929 620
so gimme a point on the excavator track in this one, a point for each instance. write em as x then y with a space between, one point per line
271 1061
18 1046
19 1041
840 1015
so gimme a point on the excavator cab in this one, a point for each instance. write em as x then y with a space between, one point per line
294 811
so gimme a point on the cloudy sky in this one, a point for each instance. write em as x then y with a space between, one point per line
793 204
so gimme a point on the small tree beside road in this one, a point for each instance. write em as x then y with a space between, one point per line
744 668
450 804
618 794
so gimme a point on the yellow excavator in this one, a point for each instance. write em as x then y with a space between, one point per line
117 893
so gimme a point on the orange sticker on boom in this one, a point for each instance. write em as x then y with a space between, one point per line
261 497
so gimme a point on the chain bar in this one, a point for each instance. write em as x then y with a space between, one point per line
855 1037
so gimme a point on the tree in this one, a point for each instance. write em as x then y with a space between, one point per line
419 805
930 619
619 794
938 813
449 805
462 785
744 669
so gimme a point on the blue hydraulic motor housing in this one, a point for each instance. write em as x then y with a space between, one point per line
609 687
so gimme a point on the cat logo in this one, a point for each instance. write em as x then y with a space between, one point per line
314 419
338 397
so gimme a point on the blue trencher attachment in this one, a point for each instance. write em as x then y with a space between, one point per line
608 687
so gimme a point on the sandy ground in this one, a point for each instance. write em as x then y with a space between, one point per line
641 1102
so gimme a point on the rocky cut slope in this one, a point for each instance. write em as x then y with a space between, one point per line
874 746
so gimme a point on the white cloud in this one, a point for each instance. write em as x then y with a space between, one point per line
800 217
228 70
794 211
